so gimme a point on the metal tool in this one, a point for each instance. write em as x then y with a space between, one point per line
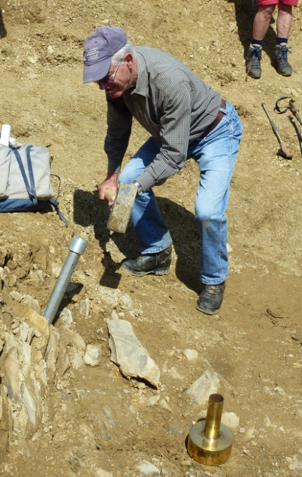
209 441
291 106
121 210
76 248
283 151
299 136
294 110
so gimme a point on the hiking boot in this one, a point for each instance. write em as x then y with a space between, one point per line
254 57
156 263
210 299
282 65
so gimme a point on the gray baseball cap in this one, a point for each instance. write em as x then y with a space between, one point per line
99 48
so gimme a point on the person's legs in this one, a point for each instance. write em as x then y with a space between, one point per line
284 23
152 233
151 230
262 21
260 26
284 20
216 155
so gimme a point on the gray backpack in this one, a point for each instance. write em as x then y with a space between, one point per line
25 179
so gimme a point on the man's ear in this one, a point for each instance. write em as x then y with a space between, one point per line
129 60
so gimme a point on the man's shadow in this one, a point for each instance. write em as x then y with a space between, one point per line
245 14
89 210
3 31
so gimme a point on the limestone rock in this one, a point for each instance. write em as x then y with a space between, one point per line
128 353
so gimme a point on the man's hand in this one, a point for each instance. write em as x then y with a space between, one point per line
108 189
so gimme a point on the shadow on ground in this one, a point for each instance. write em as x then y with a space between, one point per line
3 31
89 210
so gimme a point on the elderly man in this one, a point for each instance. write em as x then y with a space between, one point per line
185 118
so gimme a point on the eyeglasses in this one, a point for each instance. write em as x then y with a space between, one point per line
110 78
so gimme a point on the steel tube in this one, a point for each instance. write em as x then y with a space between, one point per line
76 248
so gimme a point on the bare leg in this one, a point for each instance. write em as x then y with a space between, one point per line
284 20
262 21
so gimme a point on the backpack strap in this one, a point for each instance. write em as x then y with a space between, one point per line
55 202
30 185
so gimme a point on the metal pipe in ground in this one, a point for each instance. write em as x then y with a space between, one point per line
76 249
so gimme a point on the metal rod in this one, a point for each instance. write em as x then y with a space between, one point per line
76 248
283 151
272 123
299 136
213 419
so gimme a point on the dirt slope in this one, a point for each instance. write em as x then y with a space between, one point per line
96 420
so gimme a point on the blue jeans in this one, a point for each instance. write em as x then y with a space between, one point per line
216 155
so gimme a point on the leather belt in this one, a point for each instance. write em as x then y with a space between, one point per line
218 118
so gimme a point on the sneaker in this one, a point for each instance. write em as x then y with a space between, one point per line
210 299
156 263
282 65
254 57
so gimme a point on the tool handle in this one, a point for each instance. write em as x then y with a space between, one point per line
272 124
291 118
286 152
295 110
292 106
299 136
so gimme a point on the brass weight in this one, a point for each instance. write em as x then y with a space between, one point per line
209 441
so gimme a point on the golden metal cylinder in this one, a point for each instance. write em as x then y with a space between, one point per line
209 441
213 419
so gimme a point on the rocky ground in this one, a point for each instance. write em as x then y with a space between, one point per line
67 407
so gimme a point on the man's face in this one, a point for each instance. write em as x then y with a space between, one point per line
117 80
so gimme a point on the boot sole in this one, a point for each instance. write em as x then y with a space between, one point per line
156 271
207 312
253 75
284 74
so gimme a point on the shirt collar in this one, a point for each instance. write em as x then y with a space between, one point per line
141 86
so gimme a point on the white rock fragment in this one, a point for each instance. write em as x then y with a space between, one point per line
93 355
31 404
11 372
85 306
128 353
200 391
190 354
103 473
115 297
229 248
294 463
56 269
230 419
66 316
77 361
16 296
164 405
32 303
153 400
75 340
148 469
33 59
